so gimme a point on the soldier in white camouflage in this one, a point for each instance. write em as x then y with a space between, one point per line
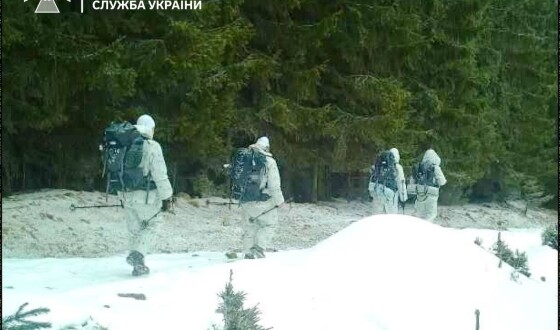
261 217
146 209
427 192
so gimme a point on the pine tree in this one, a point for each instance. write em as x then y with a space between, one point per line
519 263
516 260
550 236
331 82
236 316
502 251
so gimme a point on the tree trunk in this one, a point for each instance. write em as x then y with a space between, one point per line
286 179
348 185
322 183
314 182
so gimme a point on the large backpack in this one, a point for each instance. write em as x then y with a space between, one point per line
385 170
425 174
122 153
247 170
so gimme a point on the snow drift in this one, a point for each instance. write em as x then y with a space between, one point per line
382 272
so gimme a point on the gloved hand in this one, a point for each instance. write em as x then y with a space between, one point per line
264 197
144 224
166 205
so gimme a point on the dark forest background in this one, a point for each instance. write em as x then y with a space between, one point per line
332 83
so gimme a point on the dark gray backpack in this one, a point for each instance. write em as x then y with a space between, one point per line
424 174
385 170
247 171
122 153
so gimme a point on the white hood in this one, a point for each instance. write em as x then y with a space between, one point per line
395 153
431 157
145 131
260 149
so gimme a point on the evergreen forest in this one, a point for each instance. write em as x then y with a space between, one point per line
331 82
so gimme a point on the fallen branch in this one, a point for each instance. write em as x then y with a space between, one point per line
137 296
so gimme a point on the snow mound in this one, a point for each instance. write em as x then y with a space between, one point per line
393 265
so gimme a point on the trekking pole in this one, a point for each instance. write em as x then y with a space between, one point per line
146 222
252 219
227 168
208 202
147 190
74 207
402 204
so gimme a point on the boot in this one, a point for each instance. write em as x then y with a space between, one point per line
249 256
258 252
140 270
136 260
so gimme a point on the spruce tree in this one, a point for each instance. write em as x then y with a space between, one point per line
517 260
550 236
236 316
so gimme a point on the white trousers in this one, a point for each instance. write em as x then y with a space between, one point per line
385 200
143 220
425 206
261 231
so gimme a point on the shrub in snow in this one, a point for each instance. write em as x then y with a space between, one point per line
20 321
89 324
478 241
517 260
236 317
550 236
202 186
501 250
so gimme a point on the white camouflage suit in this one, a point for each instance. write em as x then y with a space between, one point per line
385 200
427 197
137 210
260 232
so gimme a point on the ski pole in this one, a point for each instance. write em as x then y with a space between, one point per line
74 207
145 223
208 202
252 219
402 204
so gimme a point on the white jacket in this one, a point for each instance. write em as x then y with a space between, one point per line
432 158
153 163
270 184
401 181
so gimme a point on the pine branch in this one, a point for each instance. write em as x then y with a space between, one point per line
17 321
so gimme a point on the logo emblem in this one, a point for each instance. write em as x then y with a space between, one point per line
47 7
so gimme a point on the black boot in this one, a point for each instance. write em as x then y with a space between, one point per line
136 260
140 270
257 251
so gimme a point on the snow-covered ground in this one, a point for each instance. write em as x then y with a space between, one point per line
379 272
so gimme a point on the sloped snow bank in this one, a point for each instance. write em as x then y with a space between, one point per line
382 272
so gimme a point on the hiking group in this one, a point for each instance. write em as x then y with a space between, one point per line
388 189
135 170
